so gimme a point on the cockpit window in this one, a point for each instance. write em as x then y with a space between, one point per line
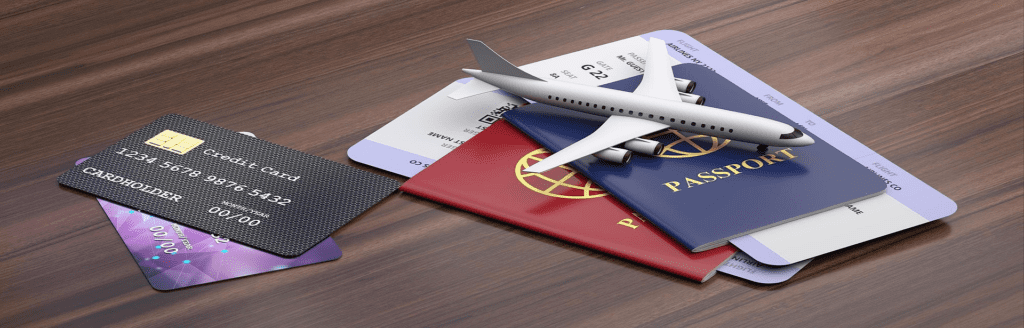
792 135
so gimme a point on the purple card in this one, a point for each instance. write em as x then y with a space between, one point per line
174 256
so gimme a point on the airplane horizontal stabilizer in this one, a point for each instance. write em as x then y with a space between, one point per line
472 88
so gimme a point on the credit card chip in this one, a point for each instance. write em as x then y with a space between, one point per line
174 142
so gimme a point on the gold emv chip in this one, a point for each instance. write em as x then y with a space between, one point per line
174 142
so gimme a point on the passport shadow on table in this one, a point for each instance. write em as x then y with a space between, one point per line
838 260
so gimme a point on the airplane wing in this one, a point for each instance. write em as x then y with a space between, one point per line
616 130
658 81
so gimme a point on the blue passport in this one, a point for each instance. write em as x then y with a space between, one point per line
703 190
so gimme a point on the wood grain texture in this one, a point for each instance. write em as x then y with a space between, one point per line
935 86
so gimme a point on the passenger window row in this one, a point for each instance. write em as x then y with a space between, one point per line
640 114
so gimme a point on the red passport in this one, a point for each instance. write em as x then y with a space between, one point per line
484 176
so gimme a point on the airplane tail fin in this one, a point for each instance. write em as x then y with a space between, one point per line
489 62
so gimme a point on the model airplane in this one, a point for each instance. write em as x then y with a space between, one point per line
655 105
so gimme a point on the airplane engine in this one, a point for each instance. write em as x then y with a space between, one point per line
691 98
685 85
644 146
615 155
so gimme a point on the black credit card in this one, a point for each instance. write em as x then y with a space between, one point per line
270 197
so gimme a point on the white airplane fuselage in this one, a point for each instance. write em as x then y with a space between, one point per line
680 116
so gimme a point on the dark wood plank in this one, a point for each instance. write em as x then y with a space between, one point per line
934 86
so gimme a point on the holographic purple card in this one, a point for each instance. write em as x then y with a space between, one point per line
173 256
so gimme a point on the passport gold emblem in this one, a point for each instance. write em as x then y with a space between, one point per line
688 146
174 142
559 182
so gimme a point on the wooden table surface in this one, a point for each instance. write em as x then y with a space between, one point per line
935 86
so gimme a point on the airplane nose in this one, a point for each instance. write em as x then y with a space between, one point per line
805 140
796 138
